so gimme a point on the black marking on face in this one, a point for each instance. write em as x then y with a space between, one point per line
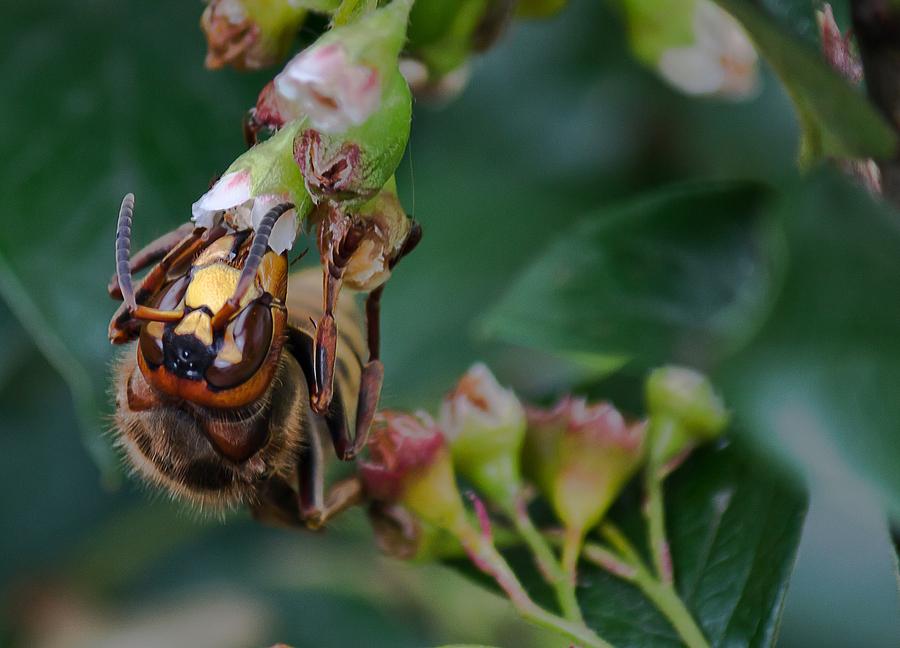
185 356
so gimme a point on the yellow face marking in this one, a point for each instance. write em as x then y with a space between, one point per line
220 250
213 285
198 324
229 353
156 329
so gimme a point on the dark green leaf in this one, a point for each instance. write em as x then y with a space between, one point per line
836 119
84 125
825 369
685 274
734 524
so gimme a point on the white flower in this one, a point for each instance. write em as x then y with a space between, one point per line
322 83
722 60
231 194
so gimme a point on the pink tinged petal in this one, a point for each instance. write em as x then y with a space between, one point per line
231 190
334 92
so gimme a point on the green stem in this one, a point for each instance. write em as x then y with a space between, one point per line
572 540
486 557
654 505
627 564
546 561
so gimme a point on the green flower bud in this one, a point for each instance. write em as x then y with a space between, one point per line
409 463
341 80
250 34
485 427
694 45
400 534
580 456
684 411
352 166
444 33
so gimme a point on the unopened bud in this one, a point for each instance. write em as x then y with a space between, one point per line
696 46
250 34
339 81
409 463
351 167
485 427
400 534
581 456
684 411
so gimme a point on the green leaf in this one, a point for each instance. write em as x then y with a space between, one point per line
733 522
135 111
685 274
820 380
836 119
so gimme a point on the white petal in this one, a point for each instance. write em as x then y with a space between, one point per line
285 232
231 190
692 70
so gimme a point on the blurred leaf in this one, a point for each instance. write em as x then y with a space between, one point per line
823 374
686 274
836 119
734 524
135 111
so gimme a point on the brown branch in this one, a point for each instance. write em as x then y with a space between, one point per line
877 27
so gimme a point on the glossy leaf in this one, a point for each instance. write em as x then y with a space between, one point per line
836 119
734 524
686 274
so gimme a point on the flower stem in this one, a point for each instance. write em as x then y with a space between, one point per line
546 561
654 509
573 538
486 557
624 562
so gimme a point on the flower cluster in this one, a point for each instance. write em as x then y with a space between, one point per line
578 455
340 113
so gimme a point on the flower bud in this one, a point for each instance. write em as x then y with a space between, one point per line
400 534
696 46
580 456
385 228
684 411
258 180
485 427
351 167
250 34
443 34
341 79
230 196
409 463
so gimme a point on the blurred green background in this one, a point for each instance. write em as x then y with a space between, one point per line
104 97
